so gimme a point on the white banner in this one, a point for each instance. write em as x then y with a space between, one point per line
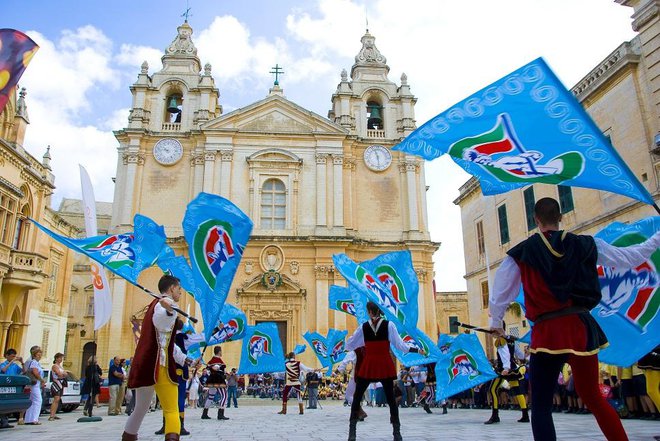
102 297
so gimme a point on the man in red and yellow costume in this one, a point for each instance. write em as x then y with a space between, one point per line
154 363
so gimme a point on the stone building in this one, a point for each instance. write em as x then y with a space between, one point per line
622 96
451 307
35 271
313 186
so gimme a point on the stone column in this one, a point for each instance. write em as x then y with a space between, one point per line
119 292
322 272
349 218
4 329
411 181
338 190
209 163
197 162
225 185
131 161
321 197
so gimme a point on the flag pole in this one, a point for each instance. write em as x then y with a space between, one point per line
657 209
486 331
156 296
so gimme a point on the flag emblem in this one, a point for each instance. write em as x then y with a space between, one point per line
384 299
633 293
116 250
337 350
320 347
413 343
229 330
259 344
500 153
462 364
213 247
391 280
346 306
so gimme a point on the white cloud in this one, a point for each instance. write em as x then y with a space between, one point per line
133 56
61 75
61 80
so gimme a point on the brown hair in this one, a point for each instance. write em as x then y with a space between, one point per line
547 211
58 355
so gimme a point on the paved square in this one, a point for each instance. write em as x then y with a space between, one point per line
257 420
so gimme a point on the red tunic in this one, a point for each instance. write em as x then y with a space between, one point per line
377 363
144 367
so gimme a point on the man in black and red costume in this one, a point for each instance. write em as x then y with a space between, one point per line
560 280
376 335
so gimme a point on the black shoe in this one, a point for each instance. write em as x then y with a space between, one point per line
525 416
205 414
444 409
494 418
396 432
161 431
183 431
352 427
427 408
221 414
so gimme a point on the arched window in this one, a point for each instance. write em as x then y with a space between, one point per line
273 205
22 229
173 108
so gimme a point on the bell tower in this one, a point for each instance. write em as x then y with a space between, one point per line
369 104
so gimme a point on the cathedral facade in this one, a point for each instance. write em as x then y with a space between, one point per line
313 186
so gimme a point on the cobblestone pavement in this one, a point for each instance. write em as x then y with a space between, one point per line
256 420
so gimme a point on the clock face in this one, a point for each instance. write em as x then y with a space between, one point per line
168 151
377 157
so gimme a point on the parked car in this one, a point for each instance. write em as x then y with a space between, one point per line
14 396
70 398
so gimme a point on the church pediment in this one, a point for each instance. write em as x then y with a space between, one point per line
271 282
274 114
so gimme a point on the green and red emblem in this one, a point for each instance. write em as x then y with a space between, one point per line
462 363
212 248
389 278
259 344
384 297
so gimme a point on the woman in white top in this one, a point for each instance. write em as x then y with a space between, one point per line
58 379
36 371
193 390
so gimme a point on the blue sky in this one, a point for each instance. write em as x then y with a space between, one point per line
78 82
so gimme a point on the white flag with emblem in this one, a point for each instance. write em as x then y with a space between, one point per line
102 298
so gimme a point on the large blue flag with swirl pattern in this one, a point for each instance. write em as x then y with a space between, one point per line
217 232
525 128
125 254
330 349
262 350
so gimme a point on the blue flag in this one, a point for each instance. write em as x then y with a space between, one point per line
369 287
231 326
299 349
217 232
127 254
464 366
629 308
339 299
526 128
262 350
178 267
319 345
402 310
415 338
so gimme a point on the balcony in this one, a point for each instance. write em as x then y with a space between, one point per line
171 127
372 133
26 269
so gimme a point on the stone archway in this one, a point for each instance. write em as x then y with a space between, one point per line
272 296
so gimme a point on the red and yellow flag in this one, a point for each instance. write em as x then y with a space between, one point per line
16 51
